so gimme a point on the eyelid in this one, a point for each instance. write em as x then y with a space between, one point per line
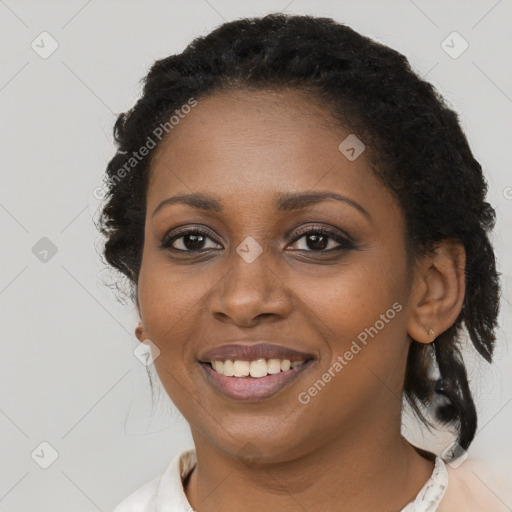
343 239
328 229
175 234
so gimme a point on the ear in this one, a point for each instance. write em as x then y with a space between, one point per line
141 333
437 293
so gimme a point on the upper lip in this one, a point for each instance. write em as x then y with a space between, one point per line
253 352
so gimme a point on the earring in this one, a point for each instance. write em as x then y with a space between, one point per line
139 328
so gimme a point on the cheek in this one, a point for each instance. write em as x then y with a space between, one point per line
362 374
167 307
172 304
356 296
361 317
169 297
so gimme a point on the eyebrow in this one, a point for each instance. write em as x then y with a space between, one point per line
286 202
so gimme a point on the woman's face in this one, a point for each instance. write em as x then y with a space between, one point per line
258 275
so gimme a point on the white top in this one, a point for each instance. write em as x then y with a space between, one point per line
165 493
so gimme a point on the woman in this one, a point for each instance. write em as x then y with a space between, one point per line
306 234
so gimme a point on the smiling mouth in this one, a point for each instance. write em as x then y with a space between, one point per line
256 369
253 381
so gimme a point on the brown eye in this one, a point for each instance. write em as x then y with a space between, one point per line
321 240
190 240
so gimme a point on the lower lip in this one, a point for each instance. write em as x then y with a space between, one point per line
251 389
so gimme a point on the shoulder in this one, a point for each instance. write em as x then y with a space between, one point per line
163 490
472 488
142 500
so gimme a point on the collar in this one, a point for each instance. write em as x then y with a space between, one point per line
430 495
170 487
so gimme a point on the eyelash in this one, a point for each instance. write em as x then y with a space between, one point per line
345 242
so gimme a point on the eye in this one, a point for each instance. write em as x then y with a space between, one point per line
189 240
318 240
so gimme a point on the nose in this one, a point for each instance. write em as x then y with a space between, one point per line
250 292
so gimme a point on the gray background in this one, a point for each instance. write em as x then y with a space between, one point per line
68 373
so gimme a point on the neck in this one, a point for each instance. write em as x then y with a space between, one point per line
369 471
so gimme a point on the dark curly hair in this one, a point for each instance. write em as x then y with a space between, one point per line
415 144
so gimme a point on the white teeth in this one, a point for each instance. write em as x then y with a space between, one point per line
257 369
285 365
274 366
218 366
242 368
228 370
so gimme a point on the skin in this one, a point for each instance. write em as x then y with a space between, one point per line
343 450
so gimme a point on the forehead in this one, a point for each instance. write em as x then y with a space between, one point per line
257 144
